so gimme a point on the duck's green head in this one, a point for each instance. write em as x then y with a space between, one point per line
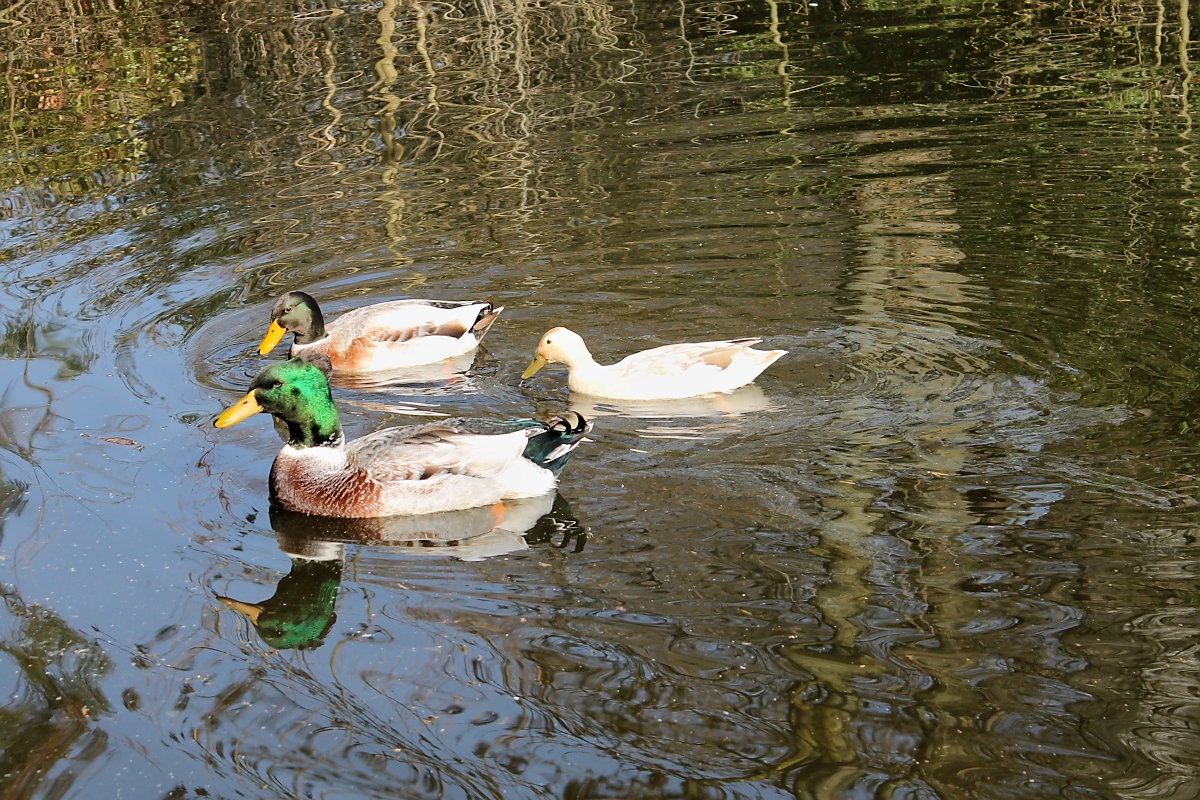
297 392
298 313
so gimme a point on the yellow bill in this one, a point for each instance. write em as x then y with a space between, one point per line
249 609
246 407
275 334
537 363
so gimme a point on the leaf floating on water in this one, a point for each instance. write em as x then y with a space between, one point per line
121 440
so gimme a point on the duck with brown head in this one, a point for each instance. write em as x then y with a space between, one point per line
394 335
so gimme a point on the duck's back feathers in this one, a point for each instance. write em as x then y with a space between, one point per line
675 359
421 452
481 448
402 320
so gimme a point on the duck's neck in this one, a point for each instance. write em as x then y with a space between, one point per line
313 330
581 360
317 427
301 436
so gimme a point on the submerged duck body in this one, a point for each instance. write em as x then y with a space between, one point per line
393 335
670 372
418 469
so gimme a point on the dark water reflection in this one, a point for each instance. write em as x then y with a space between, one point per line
946 548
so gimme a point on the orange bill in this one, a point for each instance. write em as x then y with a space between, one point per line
246 407
274 335
249 609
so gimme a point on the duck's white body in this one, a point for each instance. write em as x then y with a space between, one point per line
673 371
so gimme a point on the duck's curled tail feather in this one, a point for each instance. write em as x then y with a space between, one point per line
551 448
487 315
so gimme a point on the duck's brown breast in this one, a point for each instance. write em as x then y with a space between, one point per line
317 484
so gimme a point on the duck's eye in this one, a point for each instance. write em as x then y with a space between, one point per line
549 342
277 385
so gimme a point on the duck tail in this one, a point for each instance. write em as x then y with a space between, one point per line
551 448
487 315
768 357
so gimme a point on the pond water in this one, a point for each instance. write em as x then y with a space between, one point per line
946 548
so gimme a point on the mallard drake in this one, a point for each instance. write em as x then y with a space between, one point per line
669 372
418 469
402 333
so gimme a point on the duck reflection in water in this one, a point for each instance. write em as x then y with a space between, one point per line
727 405
424 379
301 612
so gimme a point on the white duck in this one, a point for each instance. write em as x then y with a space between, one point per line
662 373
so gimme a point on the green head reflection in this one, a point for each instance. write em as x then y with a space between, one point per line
301 611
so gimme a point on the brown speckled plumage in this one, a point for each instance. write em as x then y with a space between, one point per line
300 484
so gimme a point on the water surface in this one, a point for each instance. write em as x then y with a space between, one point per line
944 549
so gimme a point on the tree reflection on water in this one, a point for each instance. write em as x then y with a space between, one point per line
45 725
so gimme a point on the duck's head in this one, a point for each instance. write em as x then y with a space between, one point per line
295 312
297 392
558 346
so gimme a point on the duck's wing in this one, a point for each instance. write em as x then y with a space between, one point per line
419 452
678 359
404 320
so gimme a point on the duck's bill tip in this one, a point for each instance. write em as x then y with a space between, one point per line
275 334
250 610
537 363
246 407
